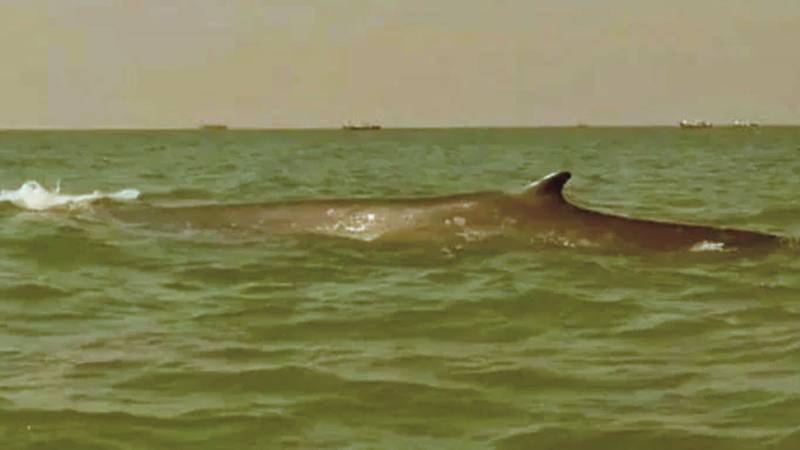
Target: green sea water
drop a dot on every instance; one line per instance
(115, 336)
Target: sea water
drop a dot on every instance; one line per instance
(118, 335)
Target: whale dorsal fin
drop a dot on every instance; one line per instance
(549, 186)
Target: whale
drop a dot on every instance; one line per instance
(538, 214)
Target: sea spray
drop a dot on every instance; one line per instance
(33, 196)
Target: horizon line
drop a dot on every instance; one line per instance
(222, 127)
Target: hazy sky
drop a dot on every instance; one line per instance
(299, 63)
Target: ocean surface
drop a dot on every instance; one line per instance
(122, 336)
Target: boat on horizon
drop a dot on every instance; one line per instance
(214, 127)
(361, 126)
(745, 124)
(695, 124)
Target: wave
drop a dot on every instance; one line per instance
(33, 196)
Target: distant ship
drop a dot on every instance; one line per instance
(361, 127)
(744, 124)
(214, 127)
(695, 124)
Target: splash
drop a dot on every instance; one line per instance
(33, 196)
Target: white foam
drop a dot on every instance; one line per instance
(708, 246)
(33, 196)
